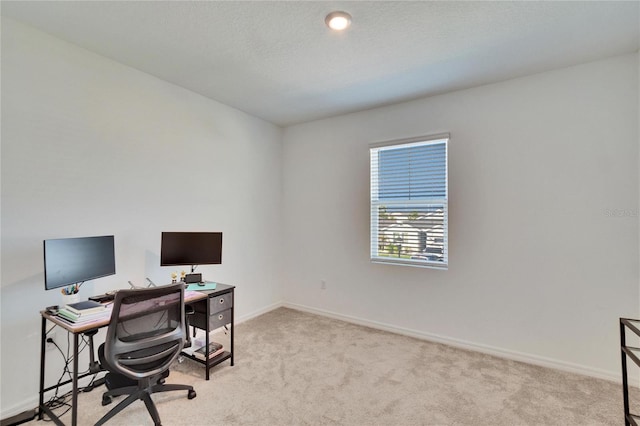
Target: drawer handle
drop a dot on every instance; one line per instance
(220, 316)
(221, 301)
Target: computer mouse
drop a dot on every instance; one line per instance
(201, 283)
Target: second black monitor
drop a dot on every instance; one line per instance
(191, 248)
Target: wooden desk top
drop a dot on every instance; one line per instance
(189, 296)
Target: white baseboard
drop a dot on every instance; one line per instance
(258, 312)
(462, 344)
(32, 402)
(18, 408)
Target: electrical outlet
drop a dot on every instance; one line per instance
(323, 285)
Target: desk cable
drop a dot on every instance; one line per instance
(58, 401)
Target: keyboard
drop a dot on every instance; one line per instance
(101, 298)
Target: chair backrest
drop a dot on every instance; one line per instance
(146, 332)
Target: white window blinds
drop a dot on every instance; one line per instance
(409, 202)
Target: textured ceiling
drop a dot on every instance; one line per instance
(278, 61)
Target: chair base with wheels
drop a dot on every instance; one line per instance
(118, 385)
(143, 392)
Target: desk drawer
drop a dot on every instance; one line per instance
(219, 319)
(220, 303)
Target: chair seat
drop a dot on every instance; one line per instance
(116, 381)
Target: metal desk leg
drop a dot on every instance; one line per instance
(74, 395)
(43, 339)
(232, 321)
(625, 388)
(206, 341)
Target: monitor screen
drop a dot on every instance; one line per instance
(191, 248)
(74, 260)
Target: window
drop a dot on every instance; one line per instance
(409, 202)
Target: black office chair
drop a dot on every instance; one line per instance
(145, 336)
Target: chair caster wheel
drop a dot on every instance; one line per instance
(161, 381)
(106, 400)
(192, 394)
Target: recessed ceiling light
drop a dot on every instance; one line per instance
(338, 20)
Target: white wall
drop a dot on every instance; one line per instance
(91, 147)
(538, 269)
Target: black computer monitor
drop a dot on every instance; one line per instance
(191, 248)
(75, 260)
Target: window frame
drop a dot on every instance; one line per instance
(427, 202)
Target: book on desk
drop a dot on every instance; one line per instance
(85, 307)
(85, 311)
(85, 318)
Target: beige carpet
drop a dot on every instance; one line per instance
(294, 368)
